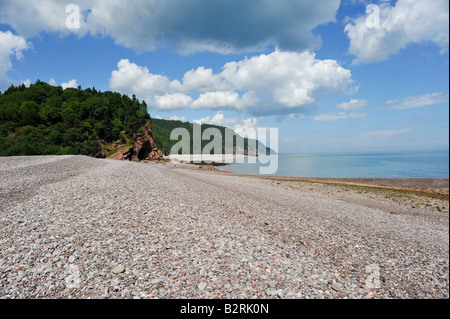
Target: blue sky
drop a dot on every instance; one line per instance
(325, 73)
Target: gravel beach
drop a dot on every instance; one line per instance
(78, 227)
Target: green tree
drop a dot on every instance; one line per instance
(29, 114)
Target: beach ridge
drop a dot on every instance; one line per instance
(78, 227)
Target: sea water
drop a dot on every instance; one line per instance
(417, 164)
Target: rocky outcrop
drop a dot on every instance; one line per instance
(140, 147)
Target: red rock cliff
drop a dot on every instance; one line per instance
(140, 147)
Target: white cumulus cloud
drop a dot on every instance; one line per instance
(11, 46)
(185, 25)
(130, 78)
(243, 127)
(30, 18)
(289, 79)
(409, 21)
(275, 83)
(214, 100)
(353, 105)
(71, 84)
(27, 83)
(172, 101)
(200, 80)
(177, 118)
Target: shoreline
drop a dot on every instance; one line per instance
(437, 186)
(419, 185)
(427, 186)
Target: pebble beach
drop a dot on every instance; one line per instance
(75, 227)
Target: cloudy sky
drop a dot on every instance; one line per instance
(333, 76)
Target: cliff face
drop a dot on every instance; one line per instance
(140, 147)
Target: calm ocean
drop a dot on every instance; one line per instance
(427, 164)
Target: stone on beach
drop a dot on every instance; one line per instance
(78, 227)
(118, 269)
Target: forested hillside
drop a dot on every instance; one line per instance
(47, 120)
(163, 128)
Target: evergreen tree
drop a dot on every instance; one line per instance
(47, 120)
